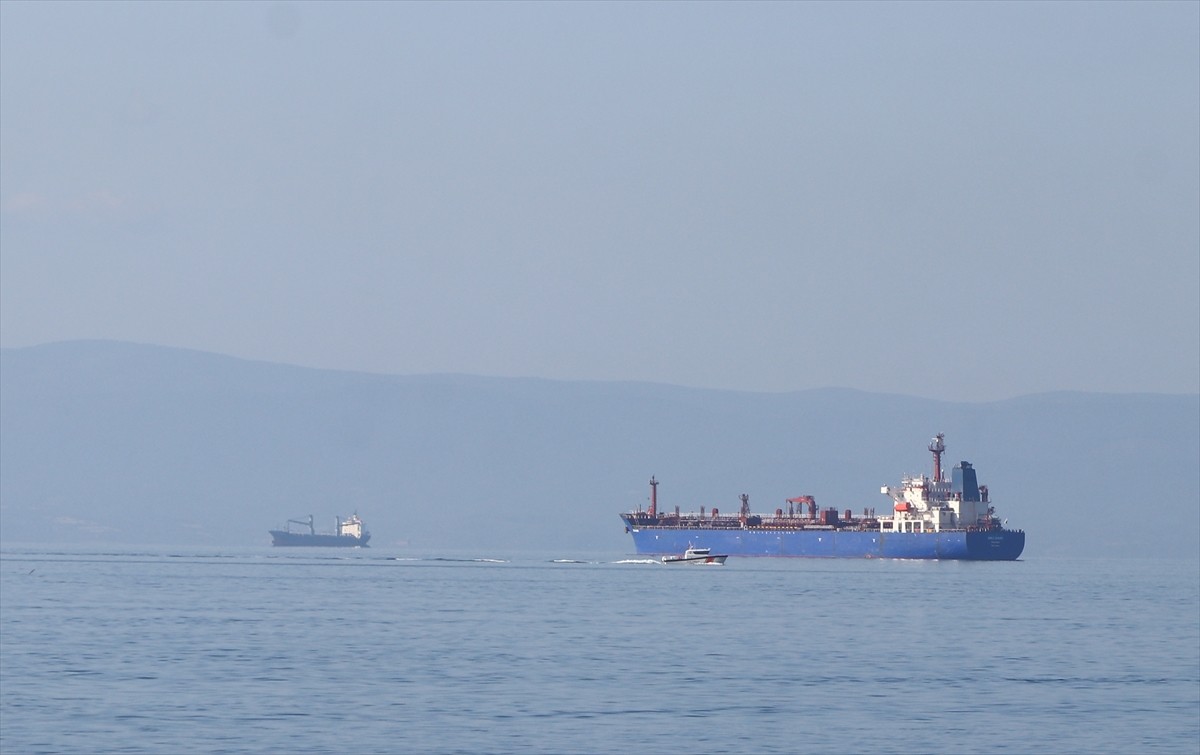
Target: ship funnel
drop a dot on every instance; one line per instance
(965, 482)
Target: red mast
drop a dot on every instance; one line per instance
(938, 448)
(653, 497)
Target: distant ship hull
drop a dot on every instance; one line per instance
(349, 533)
(991, 545)
(302, 539)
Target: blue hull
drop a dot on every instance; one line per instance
(299, 539)
(993, 545)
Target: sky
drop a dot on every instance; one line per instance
(962, 201)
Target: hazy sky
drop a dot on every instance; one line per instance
(967, 201)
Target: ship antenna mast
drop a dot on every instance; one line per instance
(653, 497)
(938, 448)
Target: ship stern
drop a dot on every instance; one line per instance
(995, 545)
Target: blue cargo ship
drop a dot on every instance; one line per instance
(350, 533)
(930, 518)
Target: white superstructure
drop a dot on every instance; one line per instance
(933, 504)
(351, 527)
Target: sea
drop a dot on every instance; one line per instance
(166, 650)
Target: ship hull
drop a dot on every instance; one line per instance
(299, 539)
(991, 545)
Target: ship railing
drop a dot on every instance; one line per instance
(735, 523)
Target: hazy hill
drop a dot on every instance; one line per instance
(114, 442)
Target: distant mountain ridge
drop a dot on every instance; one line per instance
(114, 442)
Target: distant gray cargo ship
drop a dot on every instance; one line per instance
(350, 533)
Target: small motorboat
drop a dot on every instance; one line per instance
(695, 556)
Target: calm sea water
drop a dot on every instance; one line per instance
(163, 650)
